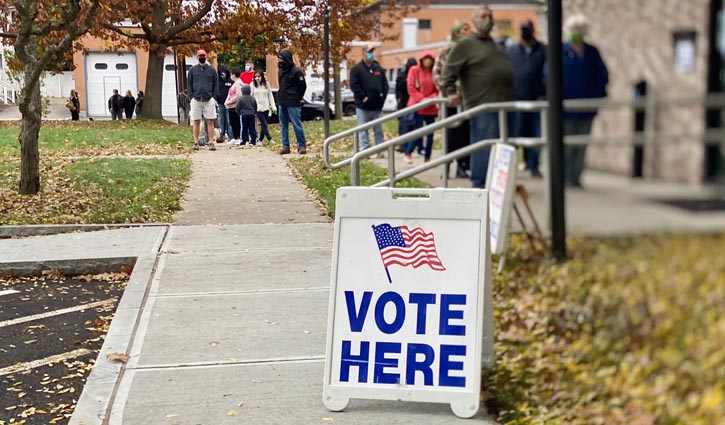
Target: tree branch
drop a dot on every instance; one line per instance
(114, 28)
(173, 31)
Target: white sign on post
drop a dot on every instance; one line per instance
(501, 182)
(410, 313)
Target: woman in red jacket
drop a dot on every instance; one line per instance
(421, 87)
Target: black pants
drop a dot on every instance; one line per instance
(236, 125)
(263, 129)
(459, 137)
(249, 129)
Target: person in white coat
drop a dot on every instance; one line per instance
(262, 92)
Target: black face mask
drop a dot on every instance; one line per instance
(202, 60)
(527, 34)
(283, 64)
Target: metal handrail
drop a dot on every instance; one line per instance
(378, 121)
(501, 107)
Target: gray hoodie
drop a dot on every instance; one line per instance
(246, 105)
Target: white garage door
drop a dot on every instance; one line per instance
(168, 105)
(105, 72)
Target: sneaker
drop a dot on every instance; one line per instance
(536, 174)
(302, 151)
(271, 141)
(212, 147)
(196, 146)
(408, 159)
(285, 150)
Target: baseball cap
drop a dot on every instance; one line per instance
(369, 48)
(200, 52)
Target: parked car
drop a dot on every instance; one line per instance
(348, 100)
(311, 110)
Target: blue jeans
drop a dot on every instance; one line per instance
(116, 115)
(289, 114)
(574, 155)
(420, 121)
(406, 126)
(225, 122)
(364, 116)
(527, 124)
(483, 126)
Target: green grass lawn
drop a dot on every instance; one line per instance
(94, 138)
(96, 186)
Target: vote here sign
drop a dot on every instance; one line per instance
(410, 314)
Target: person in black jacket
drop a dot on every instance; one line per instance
(129, 104)
(401, 97)
(529, 61)
(370, 87)
(75, 112)
(115, 104)
(225, 83)
(292, 87)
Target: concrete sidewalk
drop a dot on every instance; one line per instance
(225, 322)
(608, 205)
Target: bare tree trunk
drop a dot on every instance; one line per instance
(31, 110)
(154, 84)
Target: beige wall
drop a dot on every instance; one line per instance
(442, 20)
(635, 39)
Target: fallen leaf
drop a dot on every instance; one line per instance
(232, 413)
(118, 357)
(172, 415)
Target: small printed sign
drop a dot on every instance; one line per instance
(410, 280)
(502, 186)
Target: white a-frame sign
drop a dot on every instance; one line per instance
(410, 300)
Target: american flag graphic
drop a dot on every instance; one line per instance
(407, 247)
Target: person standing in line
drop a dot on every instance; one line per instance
(585, 77)
(247, 110)
(115, 104)
(262, 93)
(370, 87)
(230, 104)
(248, 75)
(406, 123)
(292, 87)
(129, 104)
(458, 136)
(139, 103)
(75, 112)
(225, 83)
(203, 88)
(421, 88)
(486, 76)
(529, 61)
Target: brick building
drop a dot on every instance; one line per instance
(676, 47)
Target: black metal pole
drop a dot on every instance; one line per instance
(556, 139)
(326, 74)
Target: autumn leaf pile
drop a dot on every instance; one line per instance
(630, 331)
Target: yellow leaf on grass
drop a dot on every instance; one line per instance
(712, 399)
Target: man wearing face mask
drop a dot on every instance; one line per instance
(292, 87)
(529, 60)
(585, 77)
(368, 83)
(203, 89)
(486, 76)
(248, 74)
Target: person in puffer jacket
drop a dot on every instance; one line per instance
(247, 110)
(421, 88)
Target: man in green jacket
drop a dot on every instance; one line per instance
(486, 76)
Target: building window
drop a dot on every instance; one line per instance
(424, 24)
(410, 32)
(101, 66)
(121, 66)
(504, 28)
(170, 68)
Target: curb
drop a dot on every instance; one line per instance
(66, 267)
(54, 229)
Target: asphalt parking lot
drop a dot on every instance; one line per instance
(51, 330)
